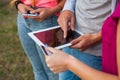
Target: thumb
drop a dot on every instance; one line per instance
(29, 8)
(51, 49)
(75, 41)
(34, 11)
(46, 56)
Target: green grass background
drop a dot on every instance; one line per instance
(14, 65)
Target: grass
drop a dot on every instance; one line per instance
(14, 65)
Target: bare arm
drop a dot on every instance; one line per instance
(87, 73)
(60, 61)
(59, 7)
(118, 47)
(47, 12)
(82, 70)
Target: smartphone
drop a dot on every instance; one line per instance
(29, 14)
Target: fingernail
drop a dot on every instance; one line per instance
(31, 11)
(64, 36)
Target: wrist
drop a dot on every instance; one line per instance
(69, 62)
(97, 37)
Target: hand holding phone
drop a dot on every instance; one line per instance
(30, 14)
(36, 14)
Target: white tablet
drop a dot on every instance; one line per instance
(53, 37)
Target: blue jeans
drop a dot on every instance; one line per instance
(32, 50)
(93, 61)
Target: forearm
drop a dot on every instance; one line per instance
(118, 47)
(58, 8)
(87, 73)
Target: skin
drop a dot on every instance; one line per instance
(23, 8)
(65, 20)
(59, 61)
(85, 41)
(118, 47)
(44, 12)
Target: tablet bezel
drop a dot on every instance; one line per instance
(31, 34)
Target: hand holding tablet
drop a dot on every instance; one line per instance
(46, 51)
(53, 37)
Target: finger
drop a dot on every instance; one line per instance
(58, 69)
(65, 33)
(29, 8)
(64, 25)
(65, 28)
(35, 11)
(51, 65)
(72, 24)
(78, 45)
(51, 49)
(82, 49)
(35, 18)
(75, 41)
(46, 56)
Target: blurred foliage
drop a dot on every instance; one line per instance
(14, 65)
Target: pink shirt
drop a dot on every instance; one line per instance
(41, 3)
(109, 63)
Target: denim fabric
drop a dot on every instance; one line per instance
(33, 51)
(93, 61)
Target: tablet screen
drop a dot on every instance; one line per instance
(54, 37)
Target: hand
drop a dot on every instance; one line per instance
(58, 61)
(43, 14)
(85, 41)
(66, 20)
(24, 8)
